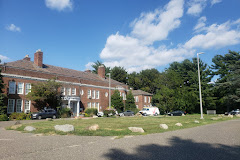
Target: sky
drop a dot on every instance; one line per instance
(134, 34)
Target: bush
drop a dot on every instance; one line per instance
(109, 112)
(17, 116)
(91, 112)
(135, 110)
(3, 117)
(64, 112)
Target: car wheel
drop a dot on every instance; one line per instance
(54, 117)
(171, 114)
(155, 114)
(39, 117)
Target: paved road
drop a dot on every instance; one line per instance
(218, 141)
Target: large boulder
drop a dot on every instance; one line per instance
(16, 126)
(29, 128)
(196, 121)
(214, 118)
(163, 126)
(136, 129)
(237, 115)
(93, 127)
(230, 116)
(64, 128)
(178, 124)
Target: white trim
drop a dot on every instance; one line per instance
(28, 88)
(26, 110)
(22, 88)
(73, 89)
(17, 105)
(66, 82)
(12, 84)
(97, 94)
(12, 106)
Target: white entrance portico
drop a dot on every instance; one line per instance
(74, 104)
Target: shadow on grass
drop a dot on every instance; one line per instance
(179, 149)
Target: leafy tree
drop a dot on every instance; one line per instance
(117, 101)
(97, 64)
(130, 102)
(46, 94)
(119, 74)
(3, 109)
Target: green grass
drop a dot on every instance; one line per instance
(119, 126)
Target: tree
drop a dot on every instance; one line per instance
(97, 64)
(130, 102)
(119, 74)
(46, 94)
(3, 109)
(117, 101)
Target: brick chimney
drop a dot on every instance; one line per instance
(101, 71)
(38, 58)
(27, 58)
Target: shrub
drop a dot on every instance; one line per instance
(17, 116)
(109, 112)
(91, 112)
(135, 110)
(3, 117)
(64, 112)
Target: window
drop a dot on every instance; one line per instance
(89, 93)
(19, 105)
(149, 99)
(20, 88)
(27, 106)
(145, 99)
(81, 92)
(28, 88)
(97, 106)
(137, 106)
(10, 107)
(136, 99)
(68, 91)
(124, 96)
(63, 90)
(93, 94)
(106, 94)
(12, 87)
(89, 104)
(93, 105)
(97, 94)
(74, 91)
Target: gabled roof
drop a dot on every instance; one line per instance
(60, 71)
(140, 92)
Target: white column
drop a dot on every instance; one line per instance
(78, 108)
(69, 103)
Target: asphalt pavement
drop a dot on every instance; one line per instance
(219, 141)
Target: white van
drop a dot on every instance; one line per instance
(147, 111)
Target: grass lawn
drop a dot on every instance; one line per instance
(112, 126)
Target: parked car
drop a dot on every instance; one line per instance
(147, 111)
(45, 113)
(127, 113)
(177, 113)
(100, 114)
(233, 112)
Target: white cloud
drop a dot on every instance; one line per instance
(155, 26)
(196, 7)
(200, 26)
(215, 2)
(13, 28)
(4, 58)
(216, 36)
(59, 4)
(89, 66)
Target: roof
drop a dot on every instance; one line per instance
(140, 92)
(60, 71)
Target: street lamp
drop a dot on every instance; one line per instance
(200, 93)
(109, 89)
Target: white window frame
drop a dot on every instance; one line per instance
(149, 99)
(89, 94)
(18, 88)
(136, 99)
(81, 92)
(63, 90)
(145, 99)
(73, 91)
(12, 87)
(13, 104)
(136, 106)
(26, 110)
(97, 94)
(93, 104)
(68, 92)
(97, 105)
(93, 94)
(89, 104)
(27, 90)
(21, 107)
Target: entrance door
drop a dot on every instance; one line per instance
(74, 108)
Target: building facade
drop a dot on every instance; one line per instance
(142, 99)
(80, 90)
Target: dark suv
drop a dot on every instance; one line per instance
(46, 113)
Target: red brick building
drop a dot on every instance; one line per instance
(80, 90)
(142, 99)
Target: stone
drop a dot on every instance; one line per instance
(64, 128)
(163, 126)
(136, 129)
(196, 121)
(49, 119)
(95, 116)
(16, 126)
(29, 128)
(214, 118)
(237, 115)
(18, 122)
(93, 127)
(230, 116)
(178, 124)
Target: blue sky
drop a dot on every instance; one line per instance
(134, 34)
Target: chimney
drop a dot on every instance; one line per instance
(38, 58)
(101, 71)
(27, 58)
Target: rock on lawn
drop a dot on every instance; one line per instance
(178, 124)
(64, 128)
(93, 127)
(163, 126)
(29, 128)
(136, 129)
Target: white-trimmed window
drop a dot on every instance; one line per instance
(149, 99)
(63, 90)
(97, 94)
(81, 92)
(124, 96)
(73, 91)
(97, 106)
(136, 106)
(89, 104)
(89, 93)
(69, 91)
(20, 88)
(19, 105)
(11, 103)
(145, 99)
(28, 88)
(136, 99)
(27, 106)
(93, 94)
(93, 105)
(12, 87)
